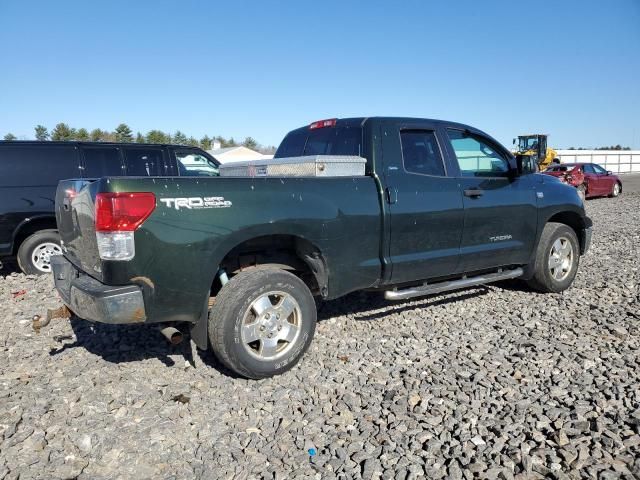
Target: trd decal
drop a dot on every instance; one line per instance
(196, 203)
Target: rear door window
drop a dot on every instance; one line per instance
(144, 162)
(588, 169)
(37, 165)
(102, 162)
(420, 153)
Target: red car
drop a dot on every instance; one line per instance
(590, 179)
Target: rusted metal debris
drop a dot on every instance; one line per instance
(61, 312)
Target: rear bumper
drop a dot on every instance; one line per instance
(92, 300)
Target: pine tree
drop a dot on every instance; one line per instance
(62, 132)
(96, 135)
(140, 138)
(123, 133)
(158, 136)
(205, 143)
(42, 133)
(250, 142)
(82, 135)
(10, 137)
(180, 138)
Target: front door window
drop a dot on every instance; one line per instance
(476, 157)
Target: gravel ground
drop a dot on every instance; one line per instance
(493, 382)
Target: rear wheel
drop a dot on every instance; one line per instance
(35, 252)
(557, 258)
(262, 322)
(617, 190)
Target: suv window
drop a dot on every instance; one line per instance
(192, 163)
(144, 162)
(37, 165)
(321, 141)
(476, 156)
(102, 162)
(420, 152)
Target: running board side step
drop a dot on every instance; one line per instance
(428, 289)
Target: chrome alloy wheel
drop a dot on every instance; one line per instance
(560, 259)
(41, 255)
(616, 189)
(271, 325)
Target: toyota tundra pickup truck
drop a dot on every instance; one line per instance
(405, 206)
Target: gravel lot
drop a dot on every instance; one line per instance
(493, 382)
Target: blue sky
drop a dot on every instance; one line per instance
(568, 68)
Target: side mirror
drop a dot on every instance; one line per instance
(514, 141)
(609, 172)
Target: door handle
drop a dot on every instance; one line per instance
(473, 192)
(392, 195)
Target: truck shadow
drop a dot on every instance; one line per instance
(133, 343)
(371, 306)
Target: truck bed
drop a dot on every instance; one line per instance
(208, 217)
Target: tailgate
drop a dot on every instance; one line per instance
(75, 215)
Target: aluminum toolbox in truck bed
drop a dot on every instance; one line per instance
(309, 166)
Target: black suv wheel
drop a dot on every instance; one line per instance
(34, 254)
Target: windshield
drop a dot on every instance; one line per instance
(527, 143)
(322, 141)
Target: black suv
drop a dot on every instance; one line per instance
(30, 172)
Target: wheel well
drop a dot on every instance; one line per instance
(29, 228)
(573, 220)
(287, 252)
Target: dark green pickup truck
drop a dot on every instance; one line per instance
(417, 207)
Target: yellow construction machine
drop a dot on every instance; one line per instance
(533, 148)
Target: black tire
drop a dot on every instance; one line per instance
(235, 311)
(615, 192)
(35, 250)
(544, 279)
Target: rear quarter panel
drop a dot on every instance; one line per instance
(178, 250)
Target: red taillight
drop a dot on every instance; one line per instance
(323, 123)
(123, 212)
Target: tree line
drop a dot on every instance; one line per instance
(612, 147)
(124, 134)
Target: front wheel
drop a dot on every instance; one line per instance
(34, 254)
(615, 192)
(557, 258)
(262, 322)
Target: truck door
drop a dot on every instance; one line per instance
(500, 214)
(425, 204)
